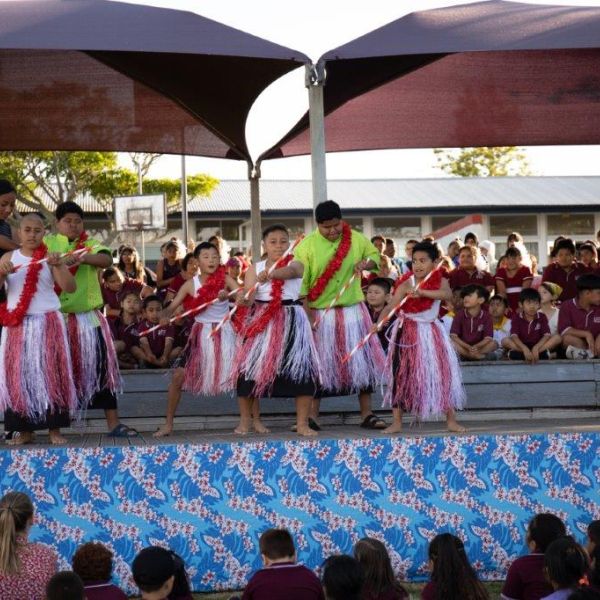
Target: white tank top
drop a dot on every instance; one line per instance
(213, 313)
(44, 300)
(291, 287)
(425, 316)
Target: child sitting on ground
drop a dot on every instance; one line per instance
(160, 575)
(472, 332)
(377, 297)
(342, 578)
(530, 338)
(93, 562)
(124, 329)
(565, 270)
(513, 278)
(449, 309)
(65, 585)
(566, 565)
(500, 322)
(114, 286)
(282, 578)
(579, 320)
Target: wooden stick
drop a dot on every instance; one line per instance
(335, 300)
(81, 251)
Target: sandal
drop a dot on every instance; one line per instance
(372, 421)
(122, 431)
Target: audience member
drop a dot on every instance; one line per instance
(537, 278)
(282, 578)
(467, 273)
(131, 266)
(514, 238)
(221, 246)
(565, 270)
(454, 249)
(498, 307)
(525, 579)
(408, 250)
(234, 268)
(390, 252)
(449, 309)
(588, 255)
(452, 576)
(160, 575)
(472, 240)
(114, 286)
(65, 585)
(379, 242)
(566, 565)
(93, 562)
(513, 278)
(593, 549)
(380, 583)
(169, 267)
(124, 329)
(342, 578)
(593, 536)
(488, 251)
(155, 349)
(25, 568)
(549, 294)
(377, 296)
(189, 269)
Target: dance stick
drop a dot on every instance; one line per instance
(187, 313)
(392, 312)
(335, 300)
(81, 251)
(253, 289)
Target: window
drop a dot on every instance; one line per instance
(502, 225)
(296, 226)
(571, 224)
(442, 221)
(398, 228)
(229, 230)
(356, 223)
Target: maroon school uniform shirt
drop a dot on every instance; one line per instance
(112, 298)
(125, 332)
(530, 332)
(103, 590)
(514, 284)
(471, 330)
(459, 278)
(176, 284)
(525, 579)
(382, 335)
(284, 581)
(157, 338)
(571, 314)
(567, 280)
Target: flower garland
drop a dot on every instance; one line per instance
(209, 290)
(13, 318)
(259, 324)
(73, 270)
(419, 304)
(333, 266)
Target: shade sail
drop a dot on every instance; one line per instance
(485, 74)
(99, 75)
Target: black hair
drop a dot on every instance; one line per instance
(543, 529)
(186, 260)
(471, 236)
(147, 577)
(171, 244)
(326, 211)
(473, 288)
(429, 248)
(529, 294)
(498, 298)
(66, 208)
(565, 244)
(566, 562)
(342, 578)
(584, 593)
(378, 237)
(513, 252)
(111, 272)
(276, 544)
(382, 282)
(594, 575)
(593, 532)
(275, 227)
(6, 187)
(514, 236)
(588, 281)
(589, 246)
(389, 241)
(65, 585)
(204, 246)
(151, 298)
(127, 292)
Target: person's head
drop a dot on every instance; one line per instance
(549, 292)
(16, 517)
(454, 248)
(588, 254)
(379, 242)
(329, 220)
(189, 264)
(390, 247)
(471, 239)
(378, 292)
(467, 256)
(208, 257)
(498, 306)
(593, 536)
(529, 302)
(93, 562)
(8, 199)
(171, 251)
(276, 240)
(385, 266)
(502, 264)
(513, 258)
(217, 241)
(474, 296)
(65, 585)
(69, 219)
(377, 569)
(128, 257)
(514, 238)
(408, 248)
(446, 263)
(424, 257)
(542, 530)
(456, 303)
(131, 303)
(534, 263)
(588, 289)
(31, 230)
(152, 308)
(234, 267)
(564, 253)
(565, 563)
(488, 250)
(113, 278)
(158, 572)
(342, 578)
(277, 545)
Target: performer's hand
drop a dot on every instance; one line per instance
(374, 328)
(54, 259)
(361, 266)
(73, 260)
(263, 277)
(222, 295)
(6, 268)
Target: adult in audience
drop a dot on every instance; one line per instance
(342, 578)
(65, 585)
(454, 249)
(25, 568)
(132, 267)
(390, 252)
(160, 575)
(169, 267)
(93, 562)
(566, 564)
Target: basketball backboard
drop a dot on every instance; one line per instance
(140, 213)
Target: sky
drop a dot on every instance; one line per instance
(314, 27)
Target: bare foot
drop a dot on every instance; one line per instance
(164, 431)
(259, 427)
(57, 440)
(20, 439)
(242, 429)
(455, 427)
(394, 428)
(306, 431)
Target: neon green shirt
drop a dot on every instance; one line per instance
(88, 295)
(315, 252)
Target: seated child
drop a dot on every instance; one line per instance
(588, 255)
(65, 585)
(114, 285)
(124, 329)
(155, 349)
(467, 273)
(160, 575)
(472, 332)
(282, 578)
(566, 564)
(513, 278)
(500, 322)
(93, 562)
(579, 320)
(525, 579)
(189, 269)
(565, 270)
(377, 296)
(549, 293)
(530, 337)
(342, 578)
(449, 309)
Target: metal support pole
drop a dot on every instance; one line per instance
(254, 177)
(314, 81)
(184, 203)
(143, 247)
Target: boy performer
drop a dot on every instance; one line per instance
(95, 366)
(327, 259)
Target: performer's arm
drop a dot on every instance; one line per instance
(402, 290)
(249, 281)
(7, 243)
(444, 293)
(62, 276)
(184, 290)
(102, 260)
(6, 267)
(295, 270)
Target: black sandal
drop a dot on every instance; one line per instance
(372, 421)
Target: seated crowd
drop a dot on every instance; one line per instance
(556, 568)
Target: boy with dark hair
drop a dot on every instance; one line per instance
(160, 575)
(472, 331)
(282, 578)
(156, 348)
(579, 320)
(565, 270)
(379, 242)
(114, 286)
(467, 272)
(377, 296)
(65, 585)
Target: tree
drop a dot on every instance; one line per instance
(498, 161)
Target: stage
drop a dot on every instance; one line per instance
(209, 494)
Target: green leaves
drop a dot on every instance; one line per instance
(499, 161)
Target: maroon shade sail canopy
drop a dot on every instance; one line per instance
(486, 74)
(99, 75)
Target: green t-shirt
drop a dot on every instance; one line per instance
(88, 295)
(315, 252)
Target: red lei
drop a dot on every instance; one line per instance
(420, 304)
(13, 318)
(333, 266)
(73, 270)
(209, 290)
(259, 324)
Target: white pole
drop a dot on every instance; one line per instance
(254, 177)
(184, 205)
(143, 247)
(315, 79)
